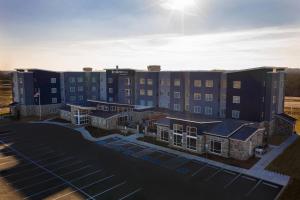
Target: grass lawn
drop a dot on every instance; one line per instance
(289, 163)
(247, 164)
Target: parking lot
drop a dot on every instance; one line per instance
(39, 161)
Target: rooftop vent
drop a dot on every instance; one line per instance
(153, 68)
(87, 69)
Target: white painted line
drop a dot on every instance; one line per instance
(65, 181)
(109, 189)
(230, 172)
(30, 177)
(271, 185)
(130, 194)
(49, 179)
(249, 178)
(253, 188)
(201, 168)
(86, 186)
(232, 181)
(214, 174)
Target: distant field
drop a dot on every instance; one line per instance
(292, 107)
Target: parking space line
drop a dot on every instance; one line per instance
(26, 164)
(130, 194)
(214, 174)
(109, 189)
(253, 188)
(271, 185)
(25, 178)
(232, 181)
(249, 178)
(230, 172)
(201, 168)
(86, 186)
(49, 179)
(65, 181)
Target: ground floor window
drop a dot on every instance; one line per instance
(191, 143)
(215, 146)
(164, 134)
(178, 140)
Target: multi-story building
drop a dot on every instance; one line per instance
(192, 110)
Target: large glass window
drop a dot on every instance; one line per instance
(177, 140)
(177, 128)
(191, 143)
(215, 146)
(164, 133)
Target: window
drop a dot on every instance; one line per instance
(72, 80)
(106, 108)
(21, 91)
(127, 81)
(80, 88)
(53, 90)
(215, 146)
(142, 102)
(94, 97)
(79, 79)
(191, 131)
(275, 84)
(150, 103)
(149, 92)
(72, 89)
(177, 107)
(177, 82)
(164, 133)
(142, 92)
(21, 80)
(208, 97)
(110, 80)
(263, 99)
(208, 110)
(236, 99)
(235, 114)
(127, 92)
(94, 79)
(197, 109)
(53, 80)
(177, 140)
(177, 128)
(54, 100)
(209, 83)
(197, 96)
(94, 89)
(80, 98)
(72, 98)
(197, 83)
(149, 81)
(142, 81)
(113, 108)
(237, 84)
(110, 90)
(110, 99)
(177, 95)
(274, 99)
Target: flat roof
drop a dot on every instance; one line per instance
(103, 114)
(137, 107)
(244, 133)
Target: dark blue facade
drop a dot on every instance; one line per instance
(42, 82)
(150, 84)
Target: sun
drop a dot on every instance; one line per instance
(178, 5)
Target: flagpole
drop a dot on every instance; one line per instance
(39, 92)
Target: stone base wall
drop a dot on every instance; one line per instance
(243, 150)
(109, 123)
(64, 114)
(35, 110)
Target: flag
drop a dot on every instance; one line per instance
(37, 94)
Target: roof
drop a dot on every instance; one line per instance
(287, 117)
(66, 108)
(226, 127)
(163, 122)
(244, 133)
(103, 114)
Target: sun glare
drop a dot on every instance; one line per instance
(178, 5)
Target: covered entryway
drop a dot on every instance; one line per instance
(80, 114)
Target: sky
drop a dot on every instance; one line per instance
(176, 34)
